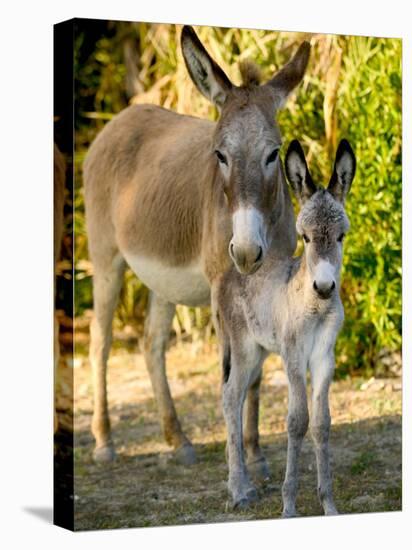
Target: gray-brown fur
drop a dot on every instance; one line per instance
(158, 198)
(291, 307)
(250, 73)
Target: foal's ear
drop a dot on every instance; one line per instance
(297, 172)
(290, 75)
(206, 74)
(343, 171)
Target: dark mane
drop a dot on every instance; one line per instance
(250, 73)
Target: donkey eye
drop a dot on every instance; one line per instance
(306, 238)
(341, 237)
(221, 157)
(272, 157)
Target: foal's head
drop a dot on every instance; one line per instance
(322, 221)
(246, 142)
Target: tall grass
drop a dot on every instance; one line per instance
(352, 89)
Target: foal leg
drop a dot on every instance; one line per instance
(107, 282)
(256, 462)
(237, 373)
(322, 373)
(298, 420)
(157, 332)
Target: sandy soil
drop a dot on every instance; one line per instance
(145, 487)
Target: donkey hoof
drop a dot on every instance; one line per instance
(243, 502)
(186, 455)
(259, 469)
(289, 514)
(252, 494)
(104, 454)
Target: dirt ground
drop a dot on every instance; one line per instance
(146, 487)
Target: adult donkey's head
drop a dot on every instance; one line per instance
(246, 142)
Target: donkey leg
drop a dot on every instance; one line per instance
(298, 421)
(237, 374)
(322, 374)
(107, 282)
(256, 462)
(157, 333)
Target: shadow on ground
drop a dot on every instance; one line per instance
(151, 489)
(145, 486)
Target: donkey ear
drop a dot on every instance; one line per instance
(206, 74)
(297, 172)
(290, 75)
(343, 171)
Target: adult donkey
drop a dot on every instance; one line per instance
(169, 195)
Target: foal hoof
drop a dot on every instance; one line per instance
(289, 514)
(259, 469)
(185, 455)
(243, 502)
(104, 455)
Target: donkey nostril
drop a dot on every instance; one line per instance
(259, 256)
(323, 290)
(231, 249)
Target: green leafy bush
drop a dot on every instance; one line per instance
(352, 89)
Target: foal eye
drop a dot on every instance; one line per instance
(221, 157)
(272, 157)
(341, 237)
(306, 238)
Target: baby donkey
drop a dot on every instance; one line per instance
(291, 307)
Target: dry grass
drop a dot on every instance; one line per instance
(145, 487)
